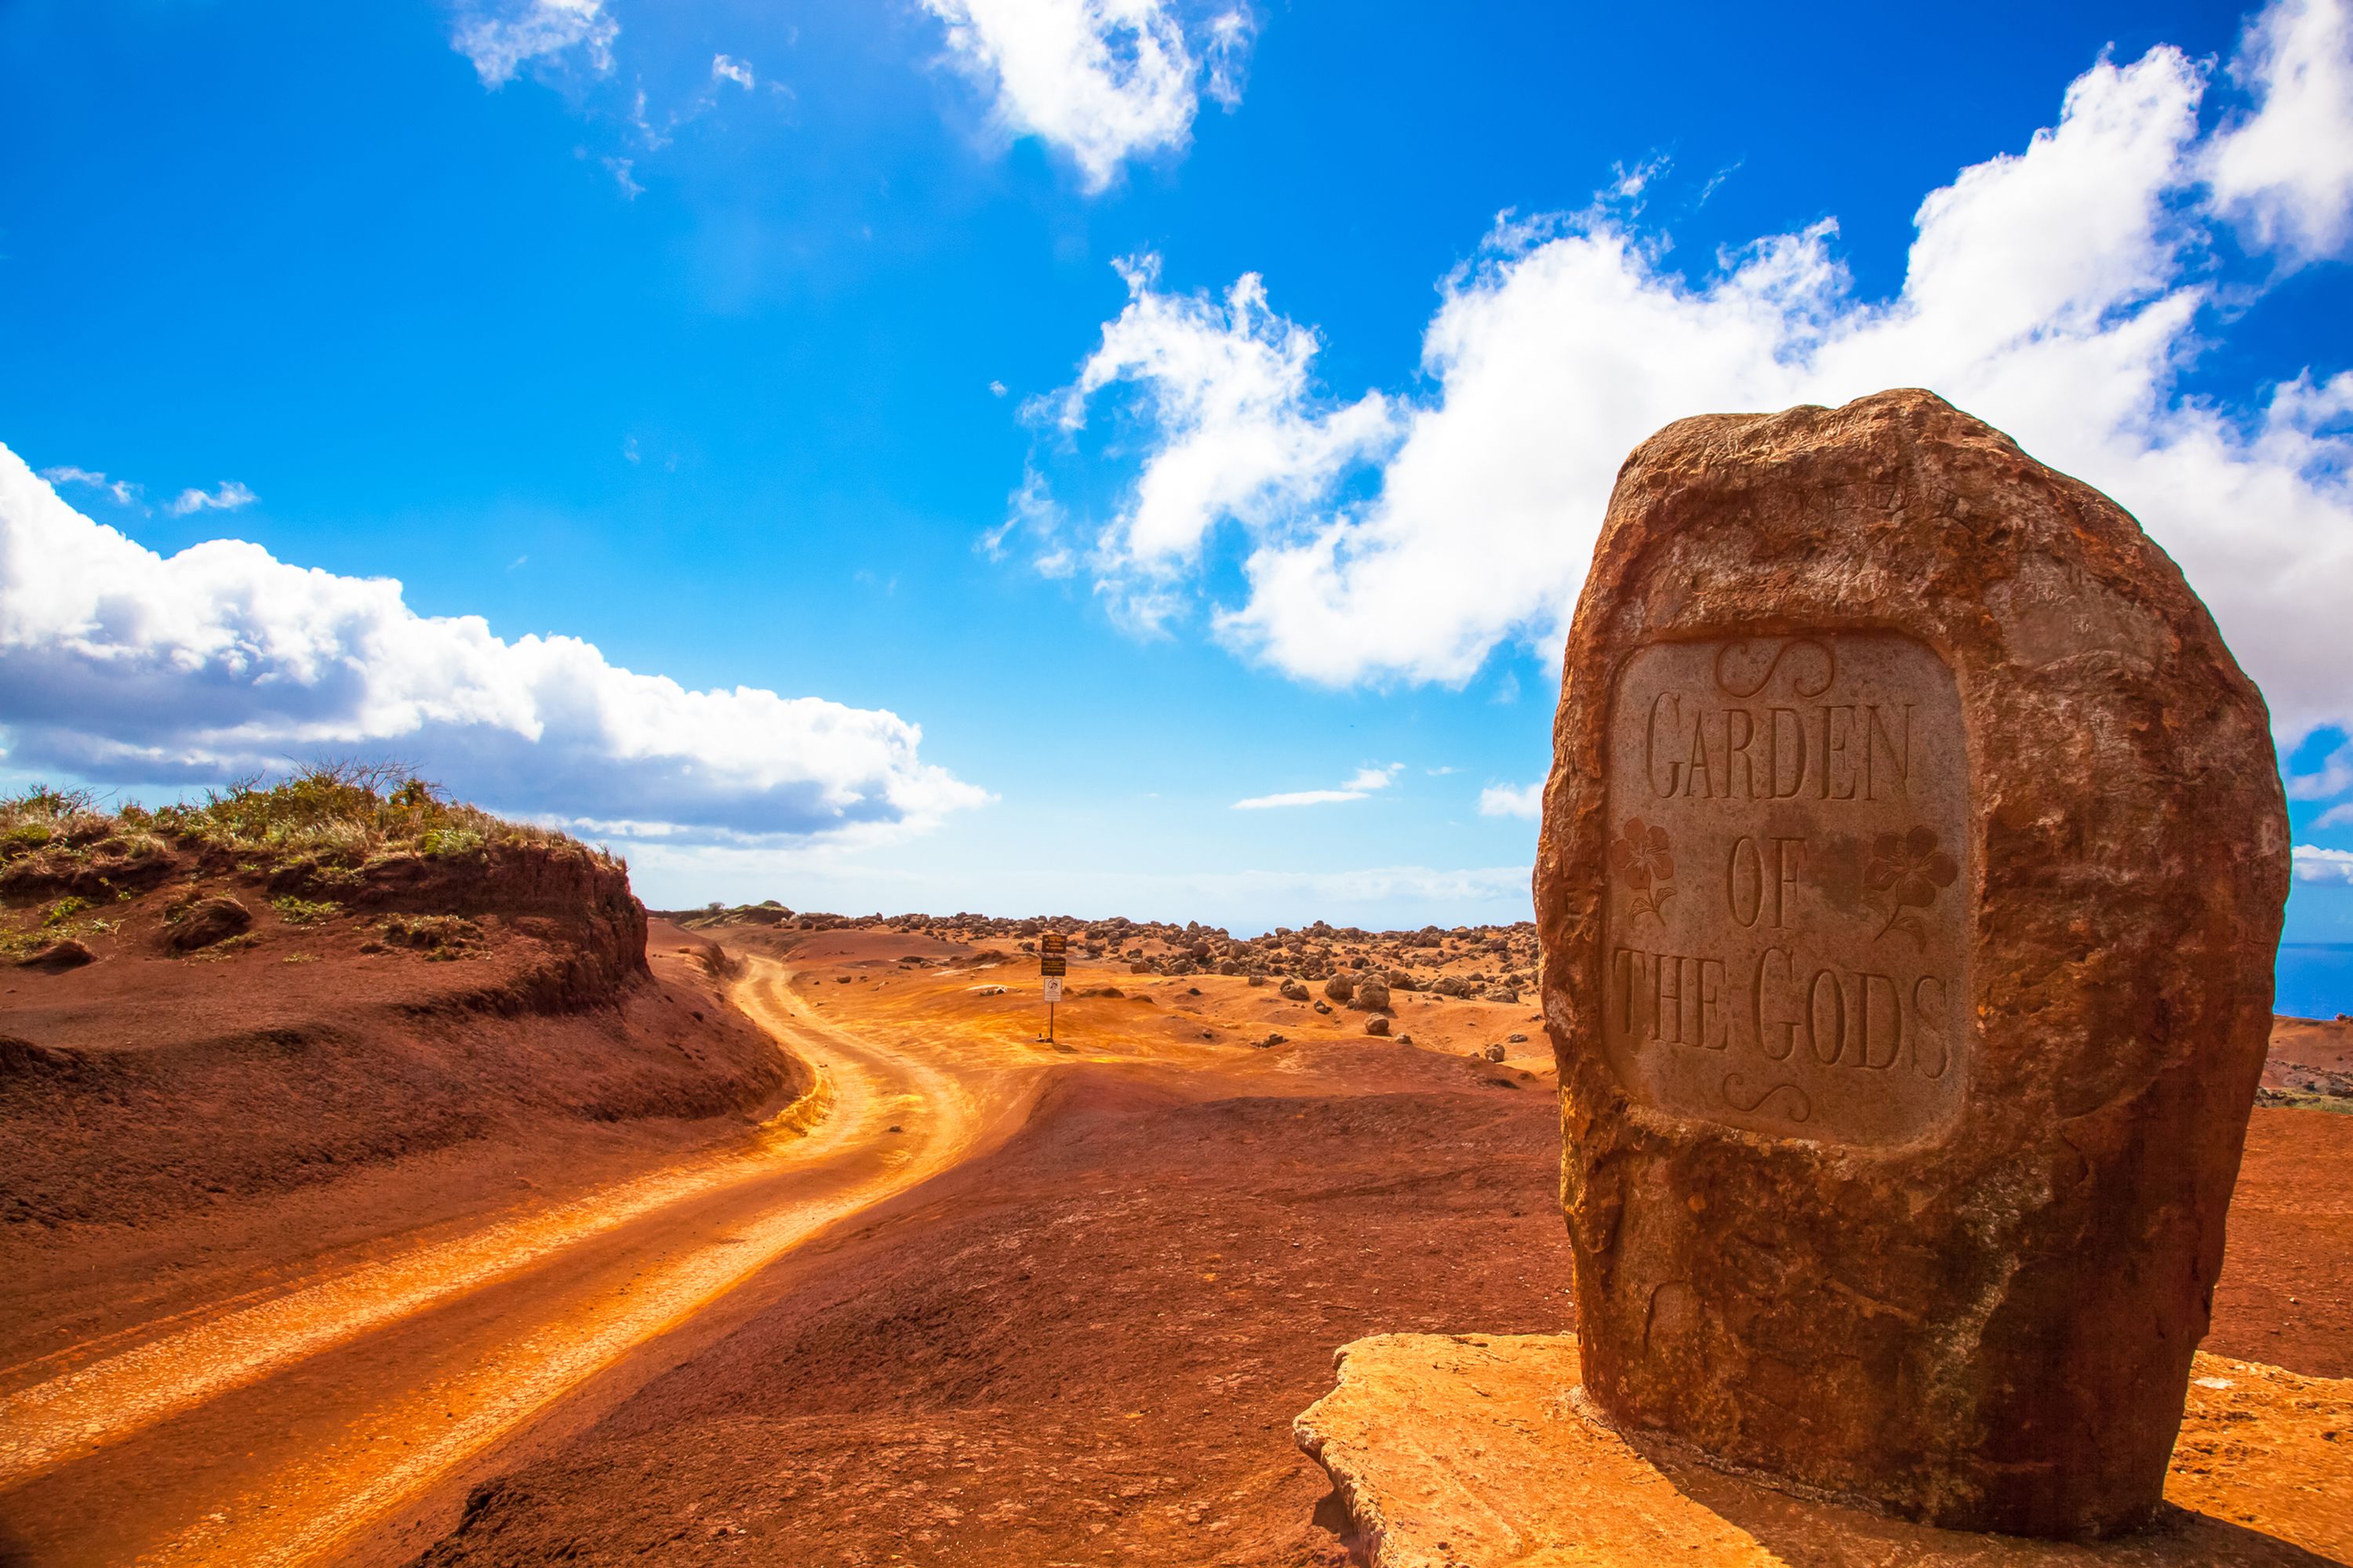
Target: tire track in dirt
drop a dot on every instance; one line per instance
(274, 1433)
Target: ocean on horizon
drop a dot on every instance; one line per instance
(2315, 979)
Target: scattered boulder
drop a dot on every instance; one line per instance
(1516, 1039)
(1291, 990)
(1324, 1007)
(1377, 1024)
(1402, 980)
(1373, 996)
(1271, 1040)
(1340, 987)
(1493, 1053)
(1503, 993)
(207, 921)
(1258, 980)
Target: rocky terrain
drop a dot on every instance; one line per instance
(2311, 1063)
(1492, 963)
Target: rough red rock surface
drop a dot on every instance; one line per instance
(1974, 1298)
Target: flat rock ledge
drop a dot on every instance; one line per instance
(1470, 1451)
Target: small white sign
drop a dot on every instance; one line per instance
(1053, 989)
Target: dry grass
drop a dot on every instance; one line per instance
(333, 814)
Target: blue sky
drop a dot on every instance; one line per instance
(1037, 426)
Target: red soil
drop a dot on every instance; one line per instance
(1086, 1348)
(174, 1127)
(1089, 1347)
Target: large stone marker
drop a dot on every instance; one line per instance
(1912, 868)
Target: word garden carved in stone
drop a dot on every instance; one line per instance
(1912, 868)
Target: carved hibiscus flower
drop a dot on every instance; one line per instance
(1641, 856)
(1906, 872)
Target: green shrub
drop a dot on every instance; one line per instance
(305, 911)
(25, 838)
(65, 909)
(449, 841)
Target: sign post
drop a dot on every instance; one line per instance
(1054, 963)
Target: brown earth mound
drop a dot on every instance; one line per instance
(264, 1056)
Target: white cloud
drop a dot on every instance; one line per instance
(125, 494)
(1100, 81)
(226, 497)
(619, 168)
(2336, 817)
(117, 663)
(1225, 49)
(1298, 798)
(501, 38)
(727, 68)
(1367, 780)
(2055, 292)
(1512, 799)
(2285, 172)
(1225, 386)
(2334, 778)
(2313, 864)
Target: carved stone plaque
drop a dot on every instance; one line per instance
(1911, 871)
(1784, 925)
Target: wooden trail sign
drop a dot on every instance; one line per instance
(1054, 963)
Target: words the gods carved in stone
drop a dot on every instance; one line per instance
(1785, 930)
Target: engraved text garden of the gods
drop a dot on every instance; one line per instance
(1785, 929)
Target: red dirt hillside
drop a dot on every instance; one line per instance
(238, 1035)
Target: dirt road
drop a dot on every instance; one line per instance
(274, 1432)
